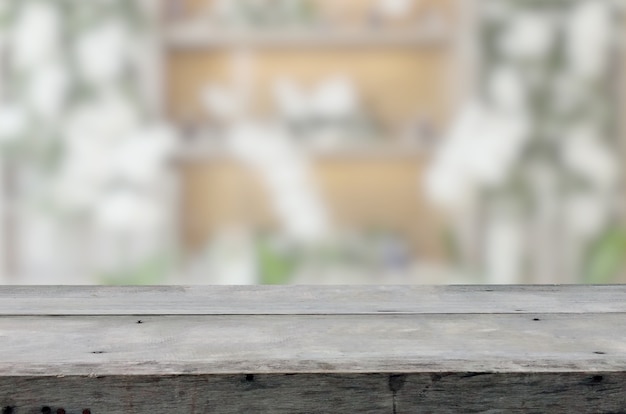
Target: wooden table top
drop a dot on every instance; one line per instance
(103, 331)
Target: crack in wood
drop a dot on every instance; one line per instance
(396, 382)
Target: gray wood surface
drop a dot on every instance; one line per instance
(446, 393)
(315, 300)
(455, 349)
(231, 344)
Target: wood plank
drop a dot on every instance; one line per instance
(201, 153)
(306, 393)
(235, 344)
(313, 349)
(201, 37)
(454, 393)
(200, 394)
(309, 300)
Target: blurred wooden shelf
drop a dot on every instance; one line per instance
(203, 36)
(202, 152)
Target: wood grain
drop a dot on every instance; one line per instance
(233, 344)
(446, 393)
(299, 349)
(309, 300)
(201, 394)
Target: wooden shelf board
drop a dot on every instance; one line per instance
(192, 35)
(201, 153)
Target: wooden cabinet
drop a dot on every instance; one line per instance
(403, 71)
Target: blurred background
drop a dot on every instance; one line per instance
(312, 141)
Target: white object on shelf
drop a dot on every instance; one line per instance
(287, 176)
(395, 9)
(220, 102)
(335, 98)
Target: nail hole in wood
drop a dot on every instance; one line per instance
(139, 321)
(7, 410)
(86, 411)
(536, 319)
(249, 378)
(597, 378)
(46, 410)
(60, 411)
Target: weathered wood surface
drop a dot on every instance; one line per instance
(447, 393)
(230, 344)
(308, 300)
(459, 349)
